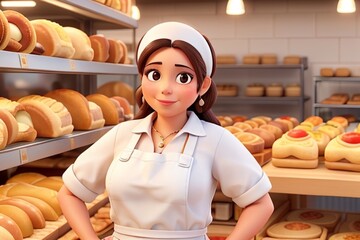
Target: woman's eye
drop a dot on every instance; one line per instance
(153, 75)
(184, 78)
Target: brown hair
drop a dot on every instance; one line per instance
(203, 112)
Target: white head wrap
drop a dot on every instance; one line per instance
(179, 31)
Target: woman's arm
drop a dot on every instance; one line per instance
(252, 219)
(76, 214)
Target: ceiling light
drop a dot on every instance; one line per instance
(18, 3)
(235, 7)
(346, 6)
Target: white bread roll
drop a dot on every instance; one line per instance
(81, 43)
(343, 152)
(295, 149)
(83, 117)
(50, 117)
(53, 38)
(10, 225)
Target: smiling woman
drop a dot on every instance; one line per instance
(161, 170)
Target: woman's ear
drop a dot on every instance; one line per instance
(205, 86)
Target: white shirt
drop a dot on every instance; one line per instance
(146, 192)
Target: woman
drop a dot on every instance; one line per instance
(161, 170)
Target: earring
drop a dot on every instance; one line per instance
(201, 102)
(142, 99)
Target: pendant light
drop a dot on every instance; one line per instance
(235, 7)
(346, 6)
(18, 3)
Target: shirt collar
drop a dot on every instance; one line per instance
(193, 125)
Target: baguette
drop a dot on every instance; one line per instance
(84, 115)
(10, 225)
(50, 117)
(20, 217)
(34, 213)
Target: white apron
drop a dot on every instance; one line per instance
(148, 193)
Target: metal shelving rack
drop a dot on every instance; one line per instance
(296, 101)
(96, 16)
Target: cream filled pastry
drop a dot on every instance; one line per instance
(295, 149)
(343, 152)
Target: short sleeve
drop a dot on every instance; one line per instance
(86, 177)
(239, 174)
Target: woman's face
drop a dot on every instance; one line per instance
(169, 83)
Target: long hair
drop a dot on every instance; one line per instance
(203, 112)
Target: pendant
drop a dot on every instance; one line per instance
(161, 145)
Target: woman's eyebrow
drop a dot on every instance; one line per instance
(180, 65)
(154, 63)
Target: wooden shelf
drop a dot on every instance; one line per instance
(320, 181)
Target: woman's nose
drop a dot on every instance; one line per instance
(166, 87)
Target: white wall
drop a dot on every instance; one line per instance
(310, 28)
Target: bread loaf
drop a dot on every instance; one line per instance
(81, 43)
(47, 211)
(50, 117)
(83, 117)
(267, 136)
(12, 127)
(124, 103)
(115, 51)
(108, 107)
(53, 38)
(326, 72)
(117, 88)
(5, 234)
(295, 149)
(101, 47)
(292, 59)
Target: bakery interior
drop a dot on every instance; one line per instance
(293, 63)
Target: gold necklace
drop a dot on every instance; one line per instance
(162, 144)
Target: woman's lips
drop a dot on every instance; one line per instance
(166, 102)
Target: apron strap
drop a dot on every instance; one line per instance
(187, 152)
(126, 153)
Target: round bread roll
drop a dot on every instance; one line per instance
(81, 43)
(255, 90)
(267, 136)
(242, 125)
(251, 141)
(101, 47)
(233, 129)
(315, 120)
(274, 90)
(294, 230)
(345, 236)
(293, 90)
(274, 129)
(321, 218)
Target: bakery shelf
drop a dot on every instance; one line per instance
(345, 106)
(261, 100)
(20, 153)
(17, 62)
(262, 66)
(319, 181)
(336, 79)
